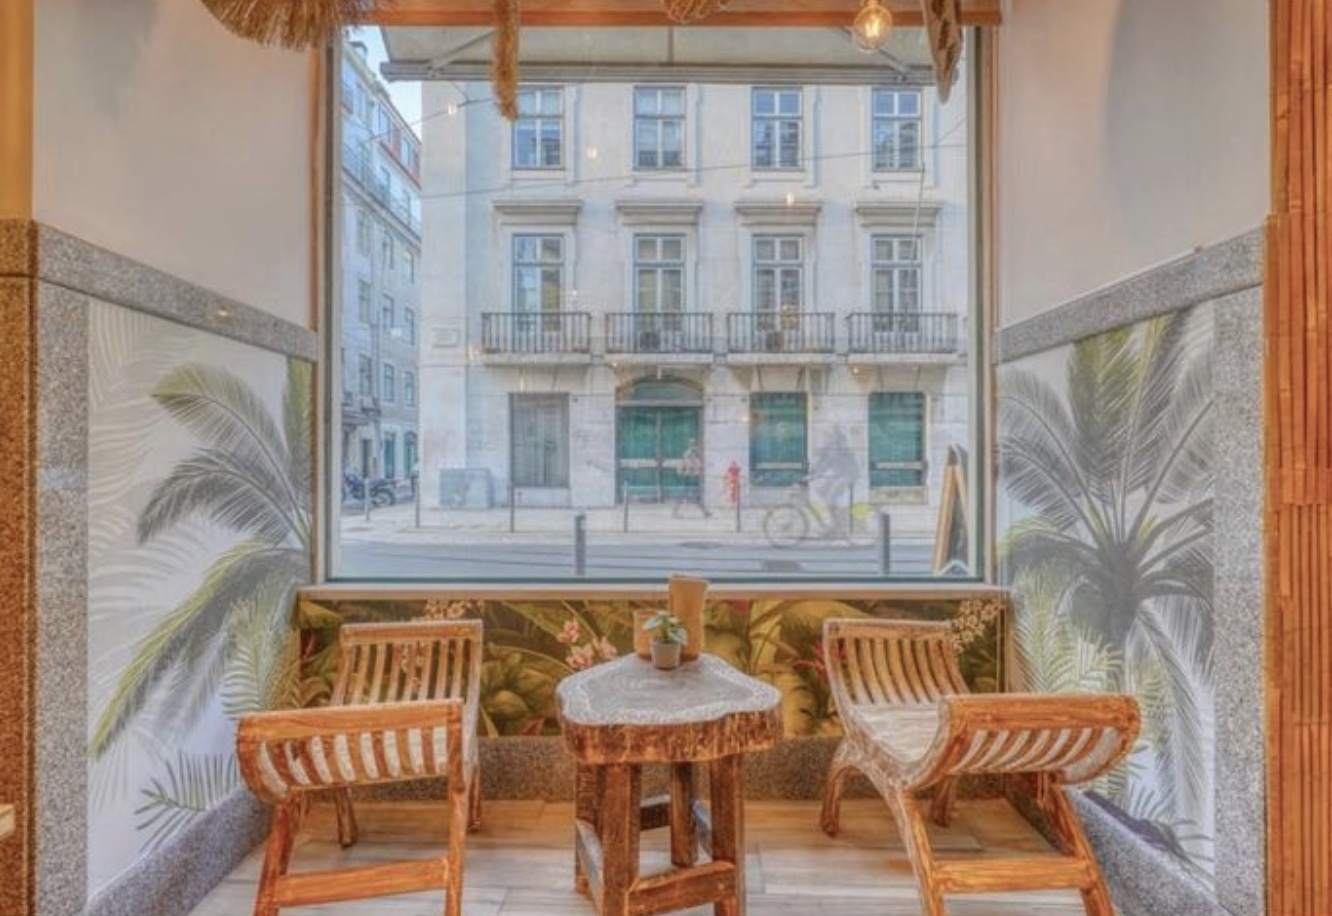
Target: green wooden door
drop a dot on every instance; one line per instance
(650, 445)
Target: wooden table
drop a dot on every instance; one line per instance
(6, 820)
(623, 714)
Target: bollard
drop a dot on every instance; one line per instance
(737, 511)
(580, 544)
(513, 509)
(885, 544)
(624, 498)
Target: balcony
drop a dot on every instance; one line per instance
(890, 336)
(780, 337)
(675, 337)
(532, 338)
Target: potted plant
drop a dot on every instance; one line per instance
(668, 639)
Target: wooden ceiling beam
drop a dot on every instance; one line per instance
(624, 13)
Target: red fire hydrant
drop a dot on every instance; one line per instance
(733, 483)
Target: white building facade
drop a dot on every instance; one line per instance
(380, 279)
(774, 275)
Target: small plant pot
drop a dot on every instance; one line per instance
(666, 655)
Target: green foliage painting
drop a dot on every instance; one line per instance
(531, 645)
(247, 474)
(1108, 473)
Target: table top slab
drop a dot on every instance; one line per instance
(627, 711)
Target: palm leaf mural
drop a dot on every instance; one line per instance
(192, 786)
(245, 477)
(1113, 556)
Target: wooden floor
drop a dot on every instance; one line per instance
(520, 863)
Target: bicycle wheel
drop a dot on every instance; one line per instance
(785, 526)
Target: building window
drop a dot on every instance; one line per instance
(410, 258)
(896, 129)
(386, 313)
(409, 388)
(779, 273)
(896, 267)
(897, 439)
(390, 455)
(777, 125)
(365, 375)
(538, 273)
(409, 325)
(659, 127)
(410, 459)
(363, 300)
(362, 231)
(538, 134)
(539, 436)
(778, 440)
(389, 391)
(659, 273)
(390, 251)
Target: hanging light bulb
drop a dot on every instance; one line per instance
(872, 25)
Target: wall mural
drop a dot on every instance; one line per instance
(199, 534)
(531, 645)
(1106, 518)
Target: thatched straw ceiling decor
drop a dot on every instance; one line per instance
(294, 24)
(943, 20)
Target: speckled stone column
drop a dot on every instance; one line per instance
(18, 426)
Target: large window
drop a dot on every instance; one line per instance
(538, 273)
(659, 127)
(896, 273)
(777, 129)
(538, 134)
(778, 452)
(896, 129)
(897, 439)
(659, 273)
(665, 304)
(779, 273)
(539, 427)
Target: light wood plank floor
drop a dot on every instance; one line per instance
(520, 863)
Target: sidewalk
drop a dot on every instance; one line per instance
(641, 523)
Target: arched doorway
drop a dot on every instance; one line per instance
(655, 423)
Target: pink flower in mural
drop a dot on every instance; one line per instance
(570, 634)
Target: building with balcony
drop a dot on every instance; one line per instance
(379, 275)
(777, 273)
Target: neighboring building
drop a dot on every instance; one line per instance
(776, 273)
(380, 279)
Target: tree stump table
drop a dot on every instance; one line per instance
(618, 716)
(6, 820)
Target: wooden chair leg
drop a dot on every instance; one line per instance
(941, 808)
(726, 785)
(460, 806)
(277, 857)
(684, 837)
(917, 843)
(830, 817)
(1063, 820)
(474, 803)
(348, 832)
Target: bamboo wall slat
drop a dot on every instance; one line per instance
(1298, 404)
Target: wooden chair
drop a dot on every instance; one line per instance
(911, 726)
(408, 701)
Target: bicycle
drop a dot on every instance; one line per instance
(788, 524)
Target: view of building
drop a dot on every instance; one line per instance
(380, 267)
(774, 274)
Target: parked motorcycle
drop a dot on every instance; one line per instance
(381, 490)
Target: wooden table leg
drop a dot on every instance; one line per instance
(728, 829)
(684, 838)
(619, 831)
(586, 808)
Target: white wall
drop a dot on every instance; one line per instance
(1130, 132)
(163, 137)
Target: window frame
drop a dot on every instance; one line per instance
(660, 267)
(658, 120)
(894, 269)
(777, 120)
(880, 468)
(538, 120)
(894, 122)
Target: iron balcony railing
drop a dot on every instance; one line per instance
(356, 162)
(658, 332)
(780, 332)
(535, 332)
(902, 332)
